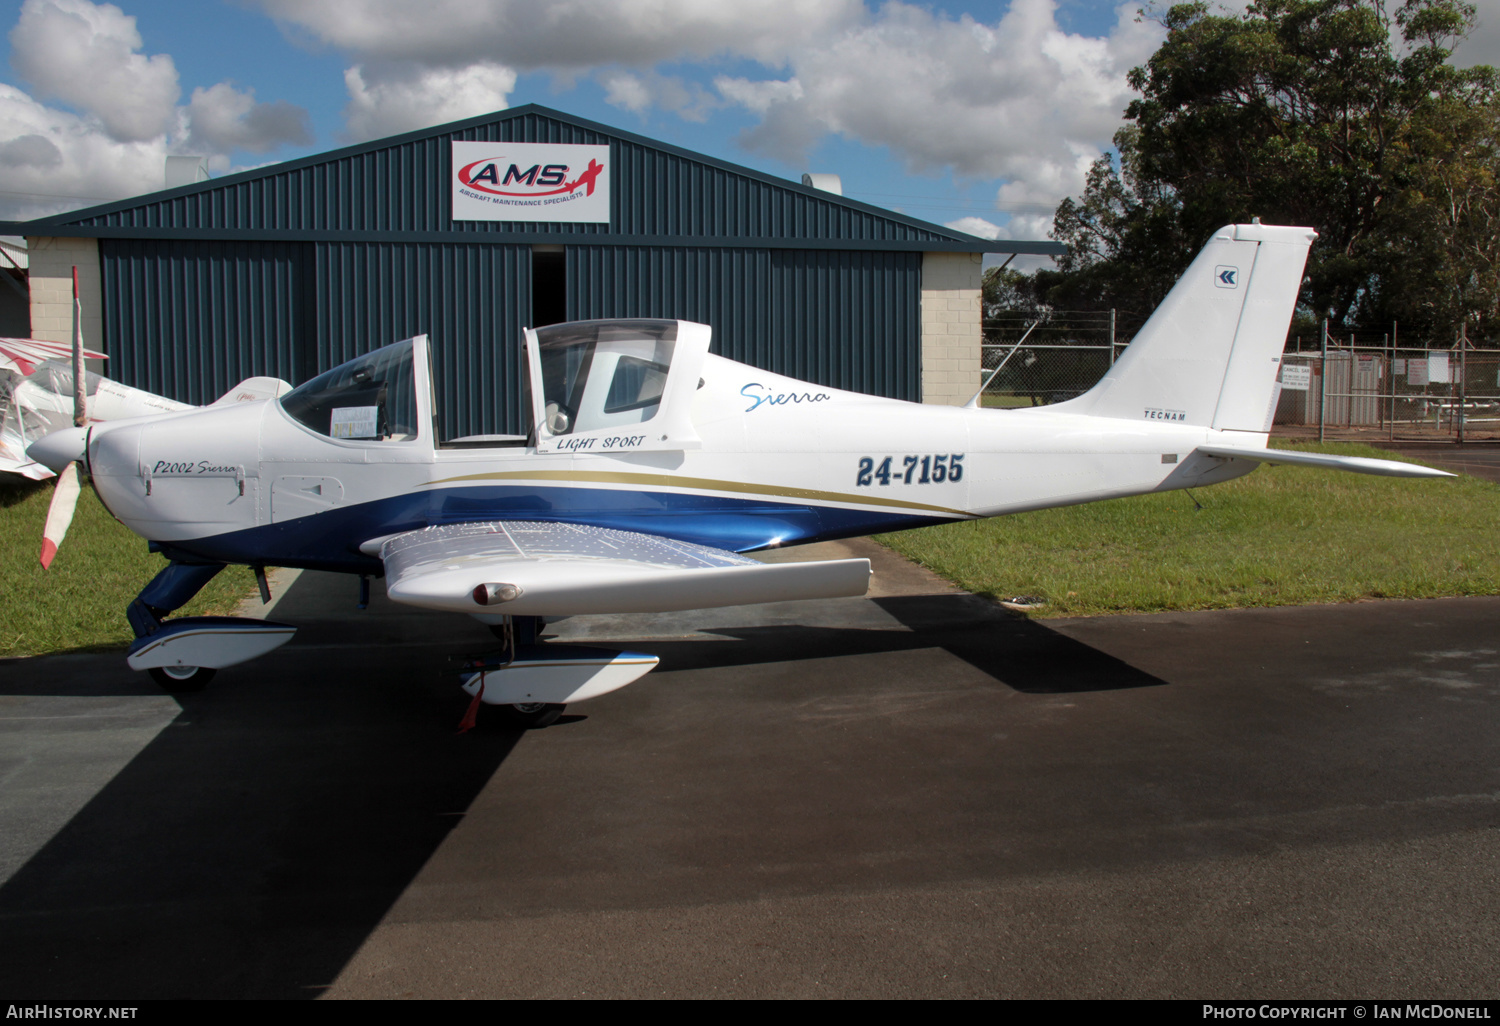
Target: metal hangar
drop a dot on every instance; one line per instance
(468, 231)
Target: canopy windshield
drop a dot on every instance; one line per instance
(371, 397)
(603, 374)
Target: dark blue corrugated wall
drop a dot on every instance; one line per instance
(190, 319)
(470, 300)
(843, 319)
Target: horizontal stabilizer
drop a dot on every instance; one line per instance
(525, 568)
(1353, 464)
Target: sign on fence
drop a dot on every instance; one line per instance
(1296, 378)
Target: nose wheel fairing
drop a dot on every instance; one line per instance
(211, 642)
(182, 654)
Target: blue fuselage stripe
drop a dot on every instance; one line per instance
(330, 540)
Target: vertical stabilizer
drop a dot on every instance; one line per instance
(1211, 352)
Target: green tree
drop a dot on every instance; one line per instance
(1337, 114)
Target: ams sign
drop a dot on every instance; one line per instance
(530, 182)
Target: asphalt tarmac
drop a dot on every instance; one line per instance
(917, 794)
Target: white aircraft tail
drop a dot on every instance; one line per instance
(253, 389)
(1211, 352)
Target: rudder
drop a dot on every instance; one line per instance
(1209, 354)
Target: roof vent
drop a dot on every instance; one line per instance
(828, 183)
(186, 171)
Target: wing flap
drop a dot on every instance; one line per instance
(572, 569)
(1354, 464)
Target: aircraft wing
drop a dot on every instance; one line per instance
(562, 569)
(1356, 464)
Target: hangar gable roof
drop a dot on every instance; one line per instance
(397, 189)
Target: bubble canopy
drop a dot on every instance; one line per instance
(371, 397)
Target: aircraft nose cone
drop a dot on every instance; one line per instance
(58, 449)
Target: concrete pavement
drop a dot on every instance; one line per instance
(913, 795)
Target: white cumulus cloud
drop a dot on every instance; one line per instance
(562, 34)
(386, 98)
(119, 115)
(1020, 100)
(1015, 98)
(87, 55)
(639, 92)
(758, 97)
(976, 226)
(55, 160)
(222, 118)
(404, 52)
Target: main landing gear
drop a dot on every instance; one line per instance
(520, 637)
(531, 715)
(179, 680)
(531, 683)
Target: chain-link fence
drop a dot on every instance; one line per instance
(1388, 392)
(1059, 357)
(1330, 388)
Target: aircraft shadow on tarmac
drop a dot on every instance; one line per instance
(1021, 653)
(252, 846)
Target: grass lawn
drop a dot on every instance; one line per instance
(80, 602)
(1279, 536)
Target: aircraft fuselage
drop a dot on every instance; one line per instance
(779, 462)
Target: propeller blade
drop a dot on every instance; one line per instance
(60, 512)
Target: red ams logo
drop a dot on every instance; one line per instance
(537, 180)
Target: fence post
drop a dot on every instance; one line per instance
(1111, 336)
(1353, 365)
(1323, 379)
(1390, 377)
(1463, 378)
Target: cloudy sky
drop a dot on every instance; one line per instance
(979, 115)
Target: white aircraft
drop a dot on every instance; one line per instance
(652, 465)
(36, 398)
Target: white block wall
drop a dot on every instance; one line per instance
(952, 332)
(51, 274)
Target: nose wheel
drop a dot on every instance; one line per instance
(531, 715)
(181, 679)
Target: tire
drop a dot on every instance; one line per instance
(532, 715)
(176, 680)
